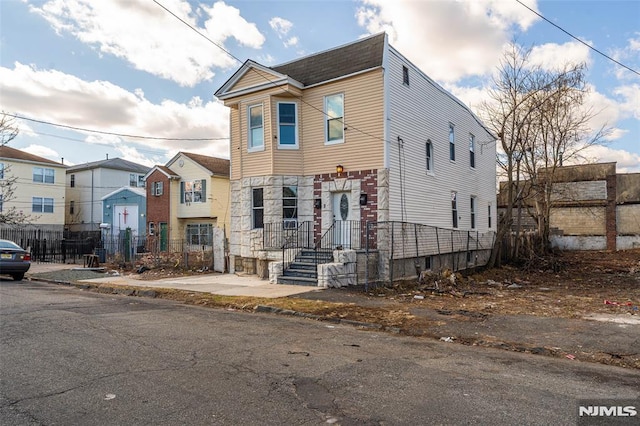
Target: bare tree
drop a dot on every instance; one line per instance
(538, 118)
(9, 215)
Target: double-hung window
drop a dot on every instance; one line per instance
(42, 205)
(157, 188)
(43, 175)
(489, 216)
(334, 116)
(472, 151)
(72, 181)
(452, 143)
(193, 191)
(256, 128)
(454, 209)
(472, 206)
(289, 206)
(287, 125)
(429, 149)
(257, 205)
(133, 180)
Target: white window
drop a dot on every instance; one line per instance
(452, 143)
(42, 205)
(287, 125)
(290, 206)
(152, 228)
(472, 150)
(140, 181)
(257, 203)
(43, 175)
(157, 188)
(472, 206)
(256, 129)
(334, 116)
(193, 191)
(199, 234)
(454, 209)
(133, 179)
(429, 149)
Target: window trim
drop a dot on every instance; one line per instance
(44, 201)
(472, 151)
(452, 142)
(44, 173)
(151, 228)
(250, 145)
(328, 118)
(157, 188)
(72, 180)
(473, 203)
(454, 209)
(429, 156)
(254, 208)
(290, 222)
(295, 126)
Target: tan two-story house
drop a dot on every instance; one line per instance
(331, 143)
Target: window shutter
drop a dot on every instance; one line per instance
(204, 190)
(181, 192)
(153, 187)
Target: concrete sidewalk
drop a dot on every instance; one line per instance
(221, 284)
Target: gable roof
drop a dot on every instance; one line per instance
(217, 166)
(164, 170)
(16, 154)
(363, 54)
(357, 56)
(111, 163)
(141, 192)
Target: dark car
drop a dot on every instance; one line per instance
(14, 260)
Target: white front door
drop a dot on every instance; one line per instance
(341, 218)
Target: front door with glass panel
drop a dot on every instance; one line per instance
(342, 218)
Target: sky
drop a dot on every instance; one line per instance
(129, 67)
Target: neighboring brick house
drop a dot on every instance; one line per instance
(357, 134)
(88, 183)
(594, 208)
(38, 189)
(187, 198)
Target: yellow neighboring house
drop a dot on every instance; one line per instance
(38, 189)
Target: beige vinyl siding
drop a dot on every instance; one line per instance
(218, 197)
(364, 117)
(422, 111)
(253, 77)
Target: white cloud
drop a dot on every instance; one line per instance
(282, 27)
(56, 97)
(448, 40)
(150, 38)
(550, 55)
(42, 151)
(627, 162)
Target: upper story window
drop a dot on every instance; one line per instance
(43, 175)
(42, 205)
(454, 209)
(136, 180)
(429, 149)
(256, 128)
(290, 206)
(334, 115)
(257, 207)
(1, 170)
(405, 75)
(141, 183)
(193, 191)
(157, 188)
(287, 125)
(452, 142)
(472, 150)
(72, 181)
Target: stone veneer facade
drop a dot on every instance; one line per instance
(246, 244)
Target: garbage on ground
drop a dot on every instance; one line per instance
(609, 302)
(447, 339)
(571, 356)
(418, 296)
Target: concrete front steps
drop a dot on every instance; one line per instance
(304, 269)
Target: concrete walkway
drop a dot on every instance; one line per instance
(222, 284)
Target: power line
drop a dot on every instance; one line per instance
(124, 135)
(576, 38)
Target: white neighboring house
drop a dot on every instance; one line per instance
(39, 188)
(88, 183)
(351, 136)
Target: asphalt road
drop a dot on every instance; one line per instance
(71, 357)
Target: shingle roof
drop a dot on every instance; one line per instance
(16, 154)
(112, 163)
(217, 166)
(167, 170)
(348, 59)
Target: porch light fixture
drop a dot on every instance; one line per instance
(339, 169)
(317, 203)
(363, 199)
